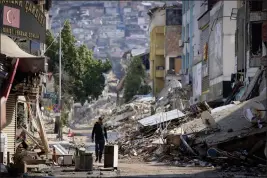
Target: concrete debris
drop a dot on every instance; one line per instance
(200, 136)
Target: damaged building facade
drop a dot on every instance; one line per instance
(165, 53)
(22, 66)
(251, 41)
(209, 49)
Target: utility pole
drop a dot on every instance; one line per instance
(59, 99)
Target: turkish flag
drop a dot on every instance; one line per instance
(11, 17)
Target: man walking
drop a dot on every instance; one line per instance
(99, 135)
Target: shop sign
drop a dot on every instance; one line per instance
(22, 19)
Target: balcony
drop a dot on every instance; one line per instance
(160, 71)
(160, 29)
(159, 49)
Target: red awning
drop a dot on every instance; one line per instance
(28, 62)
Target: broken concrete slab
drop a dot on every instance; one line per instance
(161, 117)
(230, 118)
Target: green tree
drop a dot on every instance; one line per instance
(134, 81)
(84, 73)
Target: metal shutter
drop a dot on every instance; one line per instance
(11, 123)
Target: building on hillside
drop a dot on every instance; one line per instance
(165, 27)
(21, 66)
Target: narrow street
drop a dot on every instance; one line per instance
(168, 88)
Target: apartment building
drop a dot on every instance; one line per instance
(165, 55)
(208, 48)
(190, 42)
(156, 56)
(250, 56)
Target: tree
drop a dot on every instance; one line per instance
(134, 81)
(84, 73)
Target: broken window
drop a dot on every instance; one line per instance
(171, 63)
(256, 40)
(173, 16)
(255, 5)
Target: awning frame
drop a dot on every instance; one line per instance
(28, 62)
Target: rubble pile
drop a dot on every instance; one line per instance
(219, 137)
(173, 96)
(129, 113)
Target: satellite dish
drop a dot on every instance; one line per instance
(254, 111)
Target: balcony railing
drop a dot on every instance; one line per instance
(160, 71)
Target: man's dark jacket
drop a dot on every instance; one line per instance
(99, 132)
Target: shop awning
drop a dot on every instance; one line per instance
(28, 62)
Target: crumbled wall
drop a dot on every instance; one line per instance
(172, 37)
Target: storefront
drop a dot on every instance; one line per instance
(20, 71)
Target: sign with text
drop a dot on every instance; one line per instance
(22, 19)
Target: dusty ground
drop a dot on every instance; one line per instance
(134, 167)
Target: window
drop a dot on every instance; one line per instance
(187, 60)
(186, 5)
(256, 5)
(256, 39)
(173, 16)
(187, 32)
(171, 63)
(191, 3)
(183, 31)
(183, 62)
(183, 11)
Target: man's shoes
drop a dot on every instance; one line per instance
(96, 159)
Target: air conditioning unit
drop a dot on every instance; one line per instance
(181, 43)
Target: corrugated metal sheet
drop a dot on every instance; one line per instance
(10, 128)
(161, 117)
